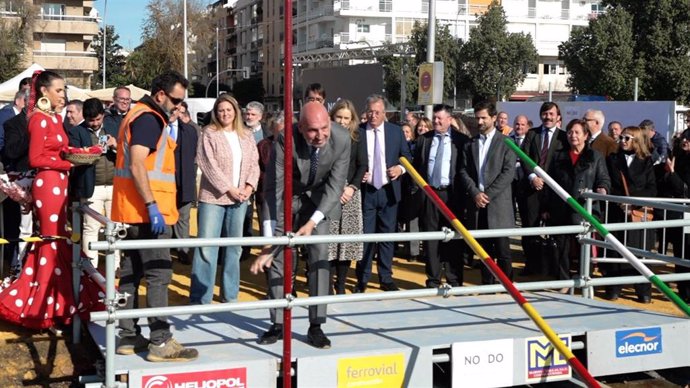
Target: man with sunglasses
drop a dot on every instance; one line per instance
(144, 196)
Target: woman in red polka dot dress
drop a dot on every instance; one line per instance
(41, 297)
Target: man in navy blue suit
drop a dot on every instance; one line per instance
(9, 111)
(385, 144)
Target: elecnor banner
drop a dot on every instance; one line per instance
(638, 342)
(220, 378)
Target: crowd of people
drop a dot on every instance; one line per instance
(346, 179)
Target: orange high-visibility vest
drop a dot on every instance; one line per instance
(128, 206)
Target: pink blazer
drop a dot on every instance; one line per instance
(215, 160)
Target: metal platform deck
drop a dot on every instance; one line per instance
(486, 340)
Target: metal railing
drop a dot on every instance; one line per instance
(66, 53)
(114, 233)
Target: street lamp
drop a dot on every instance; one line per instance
(105, 32)
(184, 31)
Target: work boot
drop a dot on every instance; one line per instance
(171, 350)
(132, 345)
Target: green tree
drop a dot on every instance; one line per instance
(163, 40)
(445, 50)
(492, 62)
(15, 37)
(114, 60)
(658, 40)
(601, 57)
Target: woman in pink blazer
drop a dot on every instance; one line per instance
(229, 164)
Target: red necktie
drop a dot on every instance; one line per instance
(544, 148)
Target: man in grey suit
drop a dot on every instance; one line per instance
(321, 157)
(486, 174)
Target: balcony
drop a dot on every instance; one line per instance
(354, 5)
(65, 24)
(313, 45)
(313, 14)
(67, 60)
(362, 39)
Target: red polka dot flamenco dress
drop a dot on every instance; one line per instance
(42, 295)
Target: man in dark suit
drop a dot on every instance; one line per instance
(436, 158)
(486, 174)
(186, 137)
(93, 184)
(385, 144)
(15, 157)
(541, 143)
(598, 140)
(9, 111)
(321, 158)
(520, 128)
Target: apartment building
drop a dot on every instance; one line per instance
(62, 34)
(327, 26)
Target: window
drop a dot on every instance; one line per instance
(362, 28)
(53, 45)
(554, 68)
(53, 10)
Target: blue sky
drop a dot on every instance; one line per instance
(127, 17)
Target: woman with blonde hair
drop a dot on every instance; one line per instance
(631, 170)
(424, 125)
(350, 222)
(229, 164)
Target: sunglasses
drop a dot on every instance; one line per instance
(174, 100)
(625, 138)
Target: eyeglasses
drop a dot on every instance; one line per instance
(315, 99)
(123, 99)
(625, 138)
(174, 100)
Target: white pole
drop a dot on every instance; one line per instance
(105, 32)
(431, 46)
(637, 86)
(184, 32)
(217, 64)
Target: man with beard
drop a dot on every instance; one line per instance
(486, 174)
(541, 143)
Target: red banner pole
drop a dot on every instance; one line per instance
(287, 198)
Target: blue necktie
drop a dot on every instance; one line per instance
(438, 163)
(173, 133)
(313, 165)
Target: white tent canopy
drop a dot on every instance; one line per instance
(107, 94)
(12, 84)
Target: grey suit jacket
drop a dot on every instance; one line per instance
(498, 176)
(323, 194)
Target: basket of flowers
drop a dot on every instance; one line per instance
(83, 155)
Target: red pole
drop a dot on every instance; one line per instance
(287, 198)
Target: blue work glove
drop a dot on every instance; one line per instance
(156, 219)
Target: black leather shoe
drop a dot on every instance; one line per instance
(272, 336)
(612, 295)
(645, 299)
(389, 286)
(317, 339)
(359, 289)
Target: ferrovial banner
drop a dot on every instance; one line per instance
(384, 371)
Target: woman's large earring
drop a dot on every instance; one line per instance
(43, 104)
